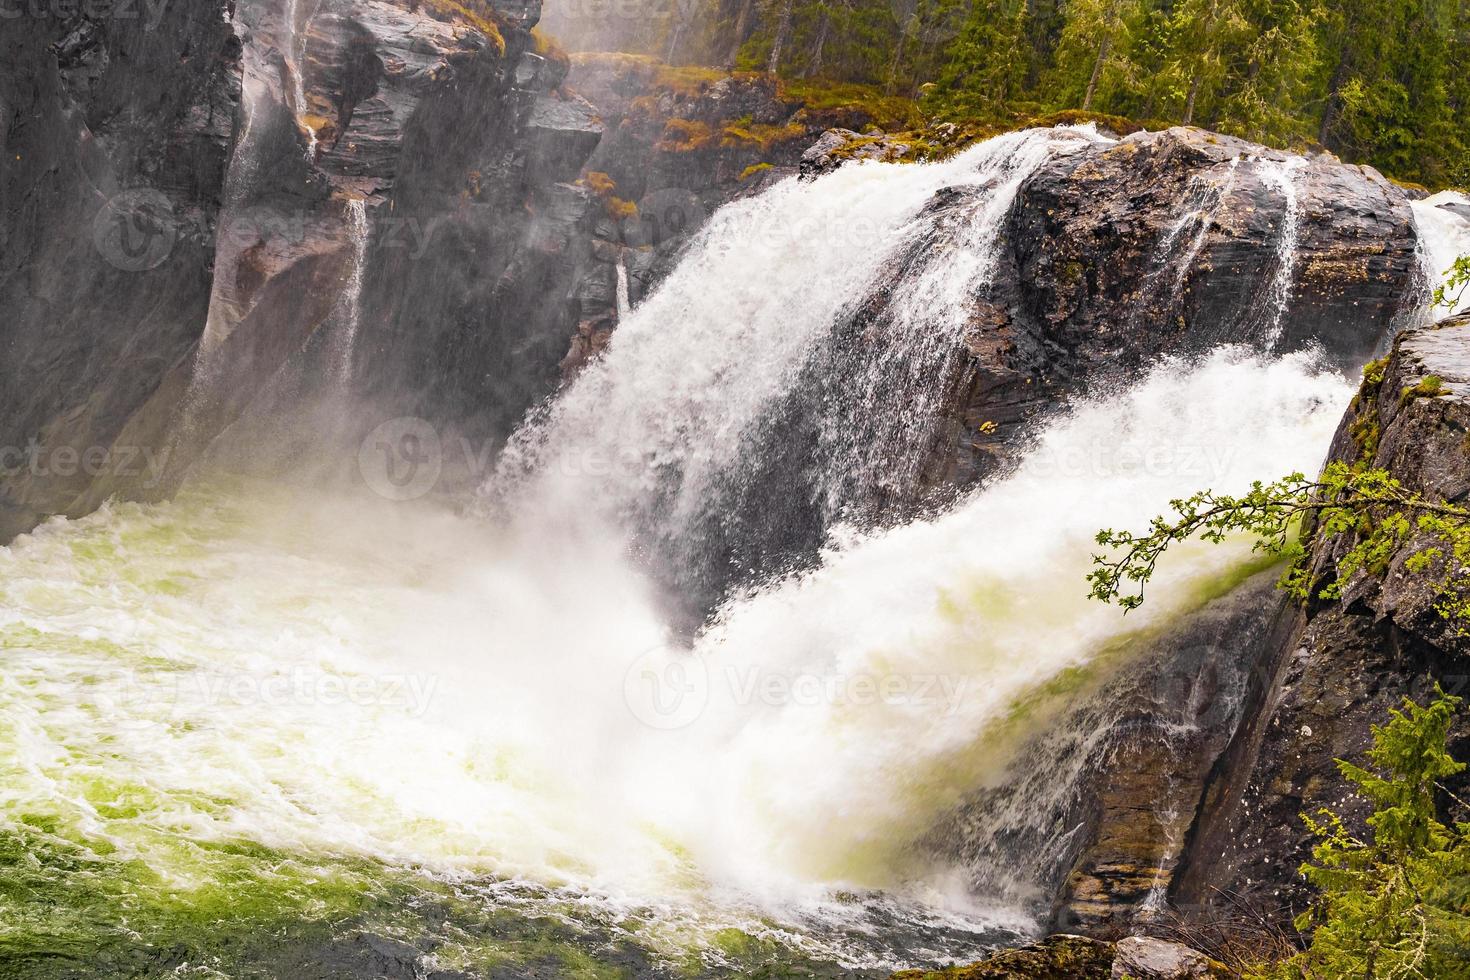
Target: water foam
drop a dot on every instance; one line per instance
(186, 672)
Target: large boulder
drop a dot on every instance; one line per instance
(1068, 957)
(1145, 958)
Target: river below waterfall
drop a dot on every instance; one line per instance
(259, 723)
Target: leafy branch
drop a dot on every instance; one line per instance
(1452, 293)
(1382, 514)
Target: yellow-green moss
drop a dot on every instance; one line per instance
(762, 135)
(605, 187)
(1121, 125)
(884, 110)
(473, 13)
(685, 135)
(754, 169)
(1431, 387)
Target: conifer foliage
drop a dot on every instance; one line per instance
(1383, 82)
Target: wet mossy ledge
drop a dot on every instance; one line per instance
(882, 125)
(1067, 957)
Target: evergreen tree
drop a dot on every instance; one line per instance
(1095, 55)
(1398, 903)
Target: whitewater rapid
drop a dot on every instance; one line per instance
(358, 678)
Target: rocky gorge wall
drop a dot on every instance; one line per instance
(501, 186)
(1344, 663)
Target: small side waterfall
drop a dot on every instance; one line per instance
(1278, 299)
(347, 315)
(1201, 208)
(624, 305)
(294, 38)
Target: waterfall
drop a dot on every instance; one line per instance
(679, 432)
(295, 43)
(624, 305)
(253, 684)
(347, 314)
(1283, 281)
(1444, 235)
(1206, 199)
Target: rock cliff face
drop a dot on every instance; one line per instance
(198, 208)
(1343, 664)
(116, 134)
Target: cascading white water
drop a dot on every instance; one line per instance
(295, 43)
(347, 314)
(1443, 221)
(671, 430)
(353, 679)
(1283, 281)
(1202, 206)
(624, 304)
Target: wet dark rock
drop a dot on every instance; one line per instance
(107, 227)
(1059, 957)
(1347, 662)
(1068, 957)
(563, 132)
(1168, 242)
(463, 164)
(1143, 958)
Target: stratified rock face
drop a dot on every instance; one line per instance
(116, 133)
(1346, 663)
(180, 209)
(1187, 239)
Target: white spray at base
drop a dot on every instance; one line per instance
(515, 711)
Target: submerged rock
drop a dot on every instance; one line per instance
(1060, 957)
(1067, 957)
